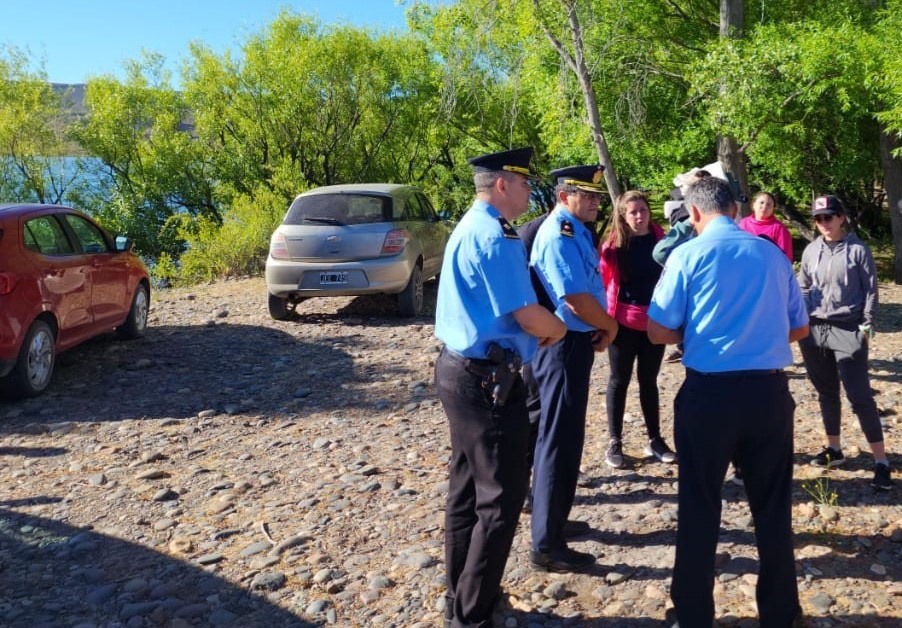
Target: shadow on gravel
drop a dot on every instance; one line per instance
(56, 574)
(180, 371)
(889, 316)
(381, 307)
(33, 452)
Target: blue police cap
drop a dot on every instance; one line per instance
(514, 160)
(585, 178)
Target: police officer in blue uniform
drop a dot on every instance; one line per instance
(488, 317)
(566, 261)
(733, 300)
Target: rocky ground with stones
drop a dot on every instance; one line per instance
(231, 470)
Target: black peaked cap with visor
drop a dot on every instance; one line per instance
(585, 178)
(516, 160)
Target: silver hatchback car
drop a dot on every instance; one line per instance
(365, 238)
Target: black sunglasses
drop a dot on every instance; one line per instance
(825, 217)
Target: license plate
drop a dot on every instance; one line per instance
(330, 279)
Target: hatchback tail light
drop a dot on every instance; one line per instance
(8, 281)
(278, 247)
(395, 241)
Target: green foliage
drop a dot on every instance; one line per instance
(821, 492)
(237, 246)
(32, 135)
(890, 78)
(154, 169)
(799, 99)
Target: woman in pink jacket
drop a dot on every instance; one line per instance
(629, 274)
(764, 223)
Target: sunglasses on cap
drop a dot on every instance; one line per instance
(825, 217)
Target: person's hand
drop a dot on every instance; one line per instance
(600, 340)
(868, 332)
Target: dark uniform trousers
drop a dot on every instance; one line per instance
(746, 417)
(562, 371)
(487, 486)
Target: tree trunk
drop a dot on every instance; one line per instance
(577, 63)
(585, 82)
(892, 183)
(732, 23)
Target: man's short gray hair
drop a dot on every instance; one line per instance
(569, 188)
(484, 181)
(711, 196)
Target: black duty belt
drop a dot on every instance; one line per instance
(476, 366)
(740, 373)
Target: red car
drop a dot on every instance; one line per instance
(63, 280)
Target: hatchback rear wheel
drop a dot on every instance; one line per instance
(281, 308)
(136, 323)
(34, 367)
(410, 300)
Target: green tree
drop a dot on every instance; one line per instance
(153, 170)
(33, 132)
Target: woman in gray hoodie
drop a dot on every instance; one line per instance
(839, 284)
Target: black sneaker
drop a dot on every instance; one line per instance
(614, 455)
(674, 356)
(562, 560)
(882, 480)
(658, 448)
(829, 457)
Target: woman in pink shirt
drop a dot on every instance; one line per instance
(629, 273)
(764, 223)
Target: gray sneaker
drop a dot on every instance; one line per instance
(614, 456)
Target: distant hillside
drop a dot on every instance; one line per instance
(73, 95)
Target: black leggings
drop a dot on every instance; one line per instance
(633, 346)
(833, 355)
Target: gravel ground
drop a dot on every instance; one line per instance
(231, 470)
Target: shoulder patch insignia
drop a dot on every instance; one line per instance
(567, 228)
(506, 228)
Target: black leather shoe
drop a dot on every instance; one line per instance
(574, 528)
(562, 560)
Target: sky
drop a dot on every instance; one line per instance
(78, 39)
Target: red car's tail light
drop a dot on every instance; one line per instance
(8, 281)
(278, 247)
(395, 241)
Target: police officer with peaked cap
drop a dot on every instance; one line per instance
(486, 304)
(566, 261)
(733, 300)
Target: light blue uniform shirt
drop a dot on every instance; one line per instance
(566, 262)
(485, 278)
(735, 297)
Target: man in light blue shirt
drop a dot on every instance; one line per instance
(566, 262)
(733, 300)
(486, 305)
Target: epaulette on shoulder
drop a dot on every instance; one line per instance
(508, 231)
(567, 228)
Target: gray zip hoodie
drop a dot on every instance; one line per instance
(840, 285)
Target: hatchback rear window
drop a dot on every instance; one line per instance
(339, 209)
